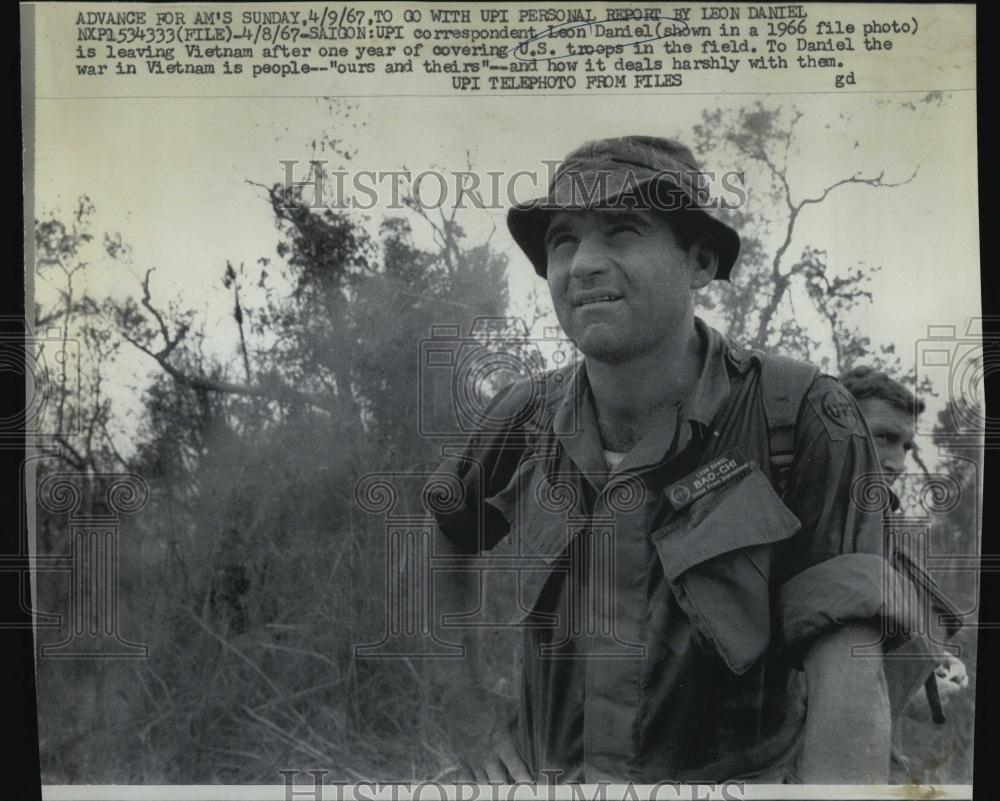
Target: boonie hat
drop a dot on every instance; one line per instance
(625, 172)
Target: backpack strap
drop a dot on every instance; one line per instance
(784, 384)
(934, 698)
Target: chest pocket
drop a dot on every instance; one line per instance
(717, 559)
(540, 511)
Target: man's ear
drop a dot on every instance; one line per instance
(705, 260)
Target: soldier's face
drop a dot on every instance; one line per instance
(621, 284)
(892, 429)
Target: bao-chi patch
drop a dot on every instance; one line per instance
(729, 466)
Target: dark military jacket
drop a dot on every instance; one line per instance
(666, 606)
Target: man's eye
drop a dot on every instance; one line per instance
(882, 438)
(559, 240)
(624, 228)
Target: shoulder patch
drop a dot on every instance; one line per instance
(837, 409)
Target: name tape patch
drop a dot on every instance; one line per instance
(721, 470)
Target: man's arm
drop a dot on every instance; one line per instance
(848, 733)
(840, 591)
(482, 730)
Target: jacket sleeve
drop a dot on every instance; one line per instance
(837, 568)
(481, 469)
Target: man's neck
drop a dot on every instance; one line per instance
(632, 397)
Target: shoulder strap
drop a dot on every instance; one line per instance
(784, 384)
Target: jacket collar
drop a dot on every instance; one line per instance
(575, 420)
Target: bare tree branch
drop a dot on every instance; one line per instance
(876, 181)
(781, 280)
(76, 459)
(780, 175)
(111, 444)
(204, 383)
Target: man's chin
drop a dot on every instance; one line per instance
(604, 344)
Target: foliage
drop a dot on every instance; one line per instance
(763, 141)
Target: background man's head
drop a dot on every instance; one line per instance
(891, 411)
(623, 239)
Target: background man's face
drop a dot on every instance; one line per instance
(620, 283)
(892, 429)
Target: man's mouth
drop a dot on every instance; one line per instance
(591, 297)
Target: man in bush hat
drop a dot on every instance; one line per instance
(694, 568)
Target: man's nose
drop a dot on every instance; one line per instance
(590, 257)
(894, 460)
